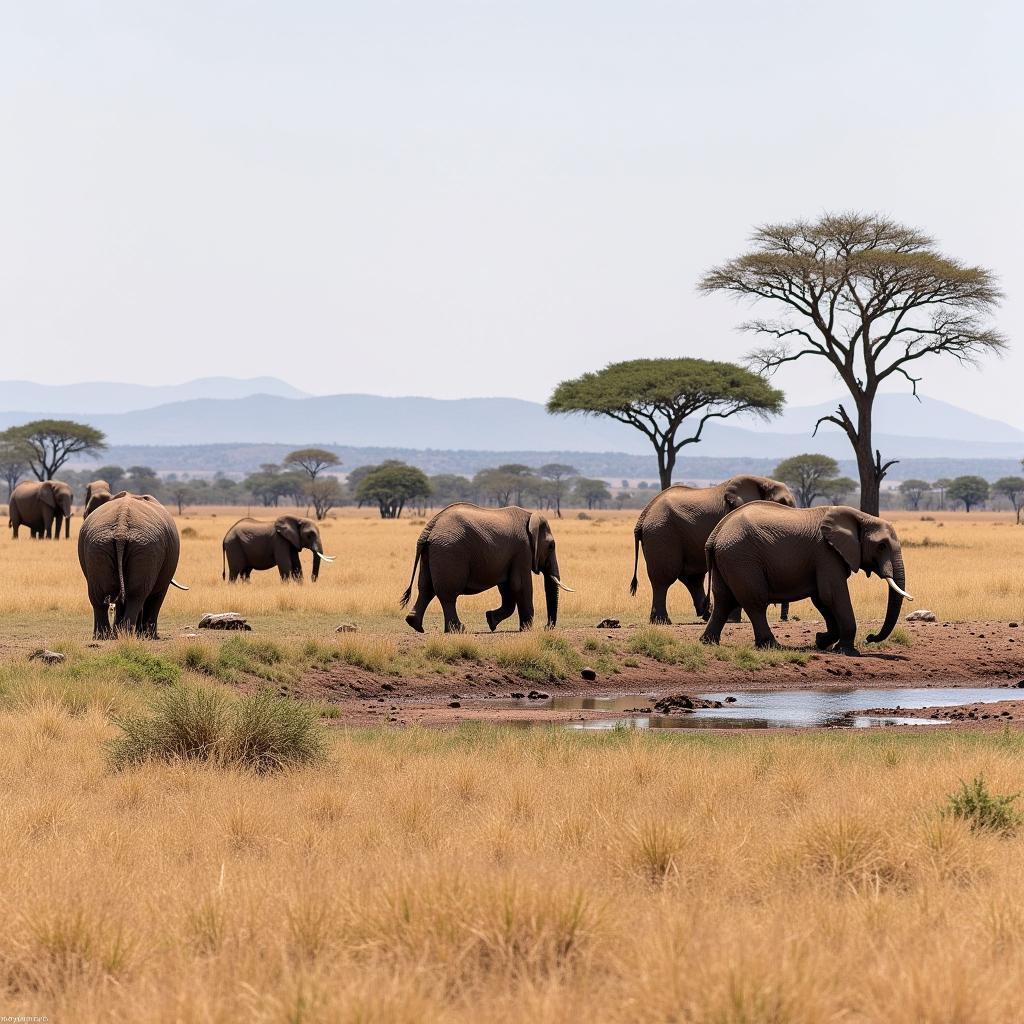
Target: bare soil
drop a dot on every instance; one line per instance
(939, 655)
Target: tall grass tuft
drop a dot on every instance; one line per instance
(985, 811)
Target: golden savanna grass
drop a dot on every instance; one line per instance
(508, 876)
(962, 566)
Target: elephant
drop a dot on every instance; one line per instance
(763, 553)
(128, 549)
(42, 505)
(675, 526)
(96, 494)
(466, 549)
(252, 544)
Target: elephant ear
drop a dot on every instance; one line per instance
(738, 492)
(841, 532)
(46, 494)
(534, 529)
(289, 529)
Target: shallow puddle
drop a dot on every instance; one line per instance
(785, 709)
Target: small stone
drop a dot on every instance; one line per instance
(730, 700)
(517, 696)
(921, 615)
(588, 673)
(224, 620)
(47, 657)
(1014, 625)
(347, 627)
(454, 704)
(536, 695)
(608, 624)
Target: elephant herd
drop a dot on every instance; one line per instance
(742, 544)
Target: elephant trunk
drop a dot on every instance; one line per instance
(551, 588)
(67, 525)
(894, 573)
(316, 565)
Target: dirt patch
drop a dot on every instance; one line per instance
(938, 654)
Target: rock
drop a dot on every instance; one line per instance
(454, 704)
(517, 696)
(608, 624)
(347, 627)
(223, 620)
(921, 615)
(1014, 625)
(588, 673)
(190, 636)
(682, 704)
(47, 657)
(536, 695)
(730, 700)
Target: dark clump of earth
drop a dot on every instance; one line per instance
(682, 704)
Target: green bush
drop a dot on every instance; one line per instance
(984, 811)
(141, 665)
(262, 733)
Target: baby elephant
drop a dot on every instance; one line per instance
(764, 553)
(466, 549)
(253, 544)
(128, 549)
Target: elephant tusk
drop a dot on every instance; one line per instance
(175, 583)
(326, 558)
(893, 585)
(558, 583)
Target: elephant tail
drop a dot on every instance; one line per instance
(420, 553)
(119, 546)
(637, 530)
(223, 561)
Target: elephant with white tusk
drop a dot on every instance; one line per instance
(764, 553)
(466, 549)
(254, 544)
(128, 549)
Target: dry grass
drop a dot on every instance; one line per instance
(963, 567)
(508, 876)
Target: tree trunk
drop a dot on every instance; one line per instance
(666, 463)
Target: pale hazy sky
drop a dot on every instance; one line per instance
(476, 198)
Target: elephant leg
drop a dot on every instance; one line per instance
(508, 606)
(659, 602)
(823, 641)
(525, 602)
(452, 624)
(736, 615)
(424, 595)
(130, 616)
(100, 621)
(151, 613)
(784, 612)
(695, 585)
(296, 566)
(722, 604)
(838, 601)
(763, 635)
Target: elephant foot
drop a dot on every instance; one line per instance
(525, 626)
(823, 641)
(848, 650)
(660, 619)
(452, 627)
(414, 622)
(711, 639)
(768, 645)
(492, 625)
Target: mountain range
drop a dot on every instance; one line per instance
(268, 411)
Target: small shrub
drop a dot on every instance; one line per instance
(546, 659)
(984, 811)
(262, 732)
(374, 654)
(661, 645)
(141, 666)
(189, 533)
(239, 655)
(452, 648)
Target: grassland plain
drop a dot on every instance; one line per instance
(485, 874)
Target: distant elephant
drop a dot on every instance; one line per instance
(763, 553)
(253, 544)
(675, 526)
(128, 549)
(41, 506)
(466, 549)
(96, 494)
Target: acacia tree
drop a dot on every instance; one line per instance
(913, 491)
(971, 490)
(391, 485)
(870, 296)
(312, 461)
(942, 485)
(14, 460)
(1012, 488)
(838, 489)
(48, 444)
(807, 475)
(659, 396)
(559, 474)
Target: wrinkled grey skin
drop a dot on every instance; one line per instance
(128, 549)
(764, 553)
(466, 549)
(675, 526)
(41, 506)
(255, 544)
(96, 494)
